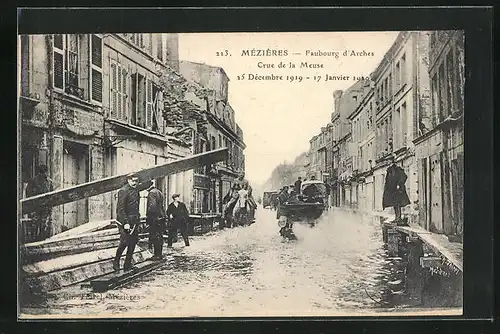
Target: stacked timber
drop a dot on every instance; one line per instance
(74, 256)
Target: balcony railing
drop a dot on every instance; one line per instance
(75, 91)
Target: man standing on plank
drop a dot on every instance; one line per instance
(127, 214)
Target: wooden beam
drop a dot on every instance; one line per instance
(97, 187)
(116, 279)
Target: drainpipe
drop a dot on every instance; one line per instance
(49, 92)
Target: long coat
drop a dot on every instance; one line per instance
(155, 204)
(127, 207)
(394, 188)
(180, 214)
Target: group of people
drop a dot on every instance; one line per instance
(239, 202)
(174, 219)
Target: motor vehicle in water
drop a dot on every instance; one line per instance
(309, 205)
(269, 199)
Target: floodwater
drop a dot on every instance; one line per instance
(338, 267)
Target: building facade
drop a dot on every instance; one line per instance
(221, 130)
(92, 106)
(363, 139)
(439, 140)
(401, 92)
(412, 107)
(345, 148)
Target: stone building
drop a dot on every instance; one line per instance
(221, 130)
(313, 165)
(345, 149)
(363, 139)
(439, 139)
(401, 92)
(91, 107)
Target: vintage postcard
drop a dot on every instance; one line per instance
(241, 174)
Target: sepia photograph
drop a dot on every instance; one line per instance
(240, 174)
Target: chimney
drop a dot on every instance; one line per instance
(336, 100)
(172, 48)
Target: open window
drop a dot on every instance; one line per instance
(118, 91)
(142, 99)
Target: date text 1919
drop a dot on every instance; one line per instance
(264, 53)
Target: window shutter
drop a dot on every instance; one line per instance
(96, 68)
(124, 92)
(119, 92)
(58, 62)
(134, 99)
(113, 106)
(149, 103)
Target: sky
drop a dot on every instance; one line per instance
(279, 117)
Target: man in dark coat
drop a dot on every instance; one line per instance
(297, 185)
(128, 217)
(156, 219)
(41, 184)
(394, 189)
(282, 198)
(178, 215)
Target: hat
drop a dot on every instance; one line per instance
(174, 196)
(131, 176)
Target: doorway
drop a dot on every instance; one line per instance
(75, 171)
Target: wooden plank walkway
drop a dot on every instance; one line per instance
(88, 227)
(118, 278)
(439, 243)
(66, 277)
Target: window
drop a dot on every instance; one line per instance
(230, 153)
(143, 91)
(96, 68)
(58, 62)
(397, 76)
(459, 77)
(214, 144)
(390, 85)
(397, 128)
(389, 137)
(159, 46)
(72, 62)
(119, 91)
(451, 83)
(435, 97)
(442, 92)
(71, 68)
(404, 125)
(149, 103)
(403, 70)
(220, 140)
(137, 39)
(199, 200)
(386, 84)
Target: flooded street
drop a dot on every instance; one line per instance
(339, 266)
